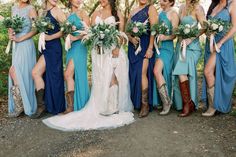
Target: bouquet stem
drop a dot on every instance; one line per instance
(156, 41)
(41, 44)
(213, 44)
(139, 49)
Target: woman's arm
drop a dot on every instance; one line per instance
(201, 17)
(32, 15)
(60, 16)
(232, 31)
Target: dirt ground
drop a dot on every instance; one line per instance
(154, 136)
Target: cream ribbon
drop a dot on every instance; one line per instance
(139, 49)
(213, 44)
(183, 45)
(41, 43)
(156, 41)
(9, 46)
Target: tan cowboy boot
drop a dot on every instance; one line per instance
(210, 111)
(15, 91)
(165, 99)
(145, 106)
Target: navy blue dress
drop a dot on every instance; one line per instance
(136, 63)
(54, 81)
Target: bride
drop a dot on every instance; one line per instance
(109, 105)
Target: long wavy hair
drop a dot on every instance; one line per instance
(192, 6)
(214, 3)
(114, 9)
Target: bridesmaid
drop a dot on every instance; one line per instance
(185, 83)
(50, 88)
(141, 65)
(164, 61)
(220, 68)
(76, 76)
(21, 95)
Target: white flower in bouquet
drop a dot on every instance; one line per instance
(187, 30)
(107, 30)
(214, 26)
(188, 26)
(221, 28)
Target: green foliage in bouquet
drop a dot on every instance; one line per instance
(103, 35)
(213, 25)
(136, 29)
(15, 22)
(186, 31)
(161, 28)
(42, 24)
(67, 27)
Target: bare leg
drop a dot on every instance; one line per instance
(69, 76)
(13, 75)
(37, 73)
(158, 73)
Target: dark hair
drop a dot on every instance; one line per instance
(173, 2)
(114, 9)
(214, 3)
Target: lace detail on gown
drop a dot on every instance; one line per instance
(103, 98)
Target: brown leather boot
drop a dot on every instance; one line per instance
(188, 104)
(40, 102)
(145, 106)
(70, 102)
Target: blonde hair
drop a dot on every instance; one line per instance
(192, 6)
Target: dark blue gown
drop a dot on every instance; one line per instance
(54, 81)
(136, 63)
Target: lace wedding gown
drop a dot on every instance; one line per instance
(104, 99)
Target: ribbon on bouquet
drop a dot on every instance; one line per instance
(183, 45)
(156, 41)
(139, 49)
(10, 42)
(41, 43)
(213, 44)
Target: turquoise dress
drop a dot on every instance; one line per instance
(225, 72)
(167, 56)
(187, 67)
(78, 54)
(23, 60)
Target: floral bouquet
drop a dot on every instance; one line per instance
(215, 26)
(16, 23)
(42, 25)
(158, 29)
(67, 28)
(186, 31)
(102, 36)
(137, 29)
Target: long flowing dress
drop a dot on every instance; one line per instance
(167, 56)
(225, 72)
(54, 80)
(187, 67)
(23, 60)
(136, 63)
(90, 118)
(78, 54)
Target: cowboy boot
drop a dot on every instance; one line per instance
(70, 102)
(210, 111)
(15, 91)
(165, 99)
(145, 106)
(188, 104)
(40, 103)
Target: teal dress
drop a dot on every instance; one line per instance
(187, 67)
(78, 54)
(167, 56)
(23, 60)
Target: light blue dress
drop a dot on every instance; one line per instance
(23, 60)
(167, 56)
(187, 67)
(225, 72)
(78, 54)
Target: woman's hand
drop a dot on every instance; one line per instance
(135, 41)
(73, 38)
(219, 44)
(48, 37)
(189, 41)
(149, 53)
(115, 52)
(14, 38)
(162, 37)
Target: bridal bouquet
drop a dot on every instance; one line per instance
(16, 23)
(67, 28)
(102, 36)
(137, 29)
(215, 26)
(186, 31)
(42, 25)
(158, 29)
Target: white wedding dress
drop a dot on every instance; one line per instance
(104, 100)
